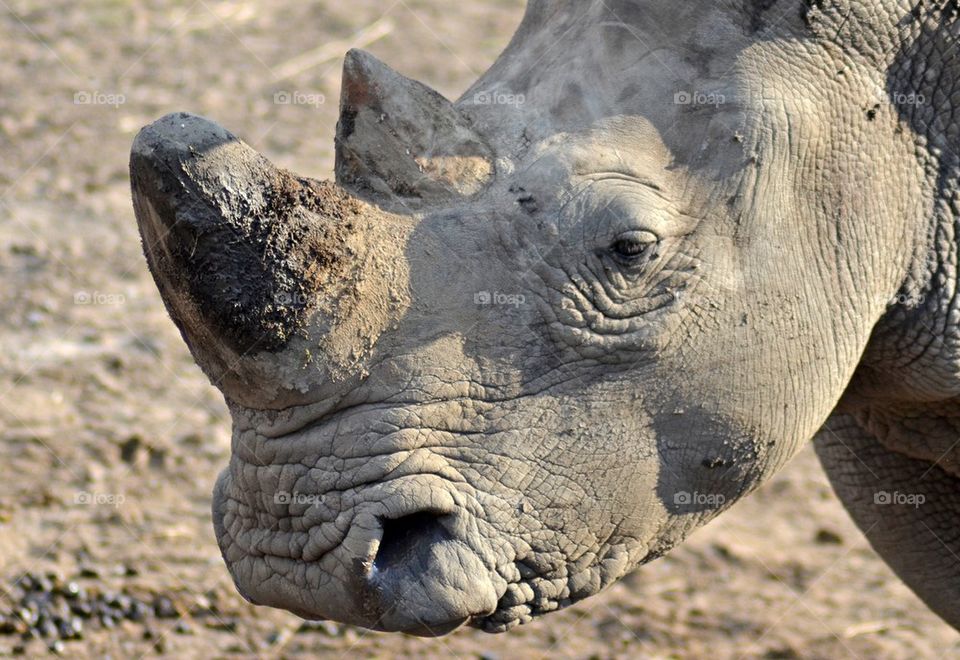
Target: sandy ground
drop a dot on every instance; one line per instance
(111, 437)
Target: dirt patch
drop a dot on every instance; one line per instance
(319, 254)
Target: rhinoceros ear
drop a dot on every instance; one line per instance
(400, 138)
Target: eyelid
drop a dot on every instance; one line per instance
(637, 235)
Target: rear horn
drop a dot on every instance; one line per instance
(398, 138)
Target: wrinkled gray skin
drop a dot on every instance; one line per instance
(680, 296)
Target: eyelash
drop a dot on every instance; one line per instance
(630, 249)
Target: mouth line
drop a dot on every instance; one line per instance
(314, 416)
(309, 416)
(306, 417)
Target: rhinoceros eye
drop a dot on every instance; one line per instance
(630, 248)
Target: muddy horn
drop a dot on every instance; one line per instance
(238, 247)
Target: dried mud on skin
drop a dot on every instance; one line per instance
(112, 438)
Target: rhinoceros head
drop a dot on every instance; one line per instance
(531, 339)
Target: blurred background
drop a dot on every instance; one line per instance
(112, 438)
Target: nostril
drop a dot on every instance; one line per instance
(425, 579)
(406, 539)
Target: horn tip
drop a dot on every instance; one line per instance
(179, 131)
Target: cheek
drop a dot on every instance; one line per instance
(763, 367)
(585, 468)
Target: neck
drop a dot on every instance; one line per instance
(915, 353)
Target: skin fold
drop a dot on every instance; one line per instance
(533, 338)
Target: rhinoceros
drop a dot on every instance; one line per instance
(532, 339)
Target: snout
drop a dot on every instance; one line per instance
(402, 565)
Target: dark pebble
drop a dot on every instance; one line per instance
(229, 625)
(826, 537)
(183, 628)
(81, 609)
(71, 629)
(129, 449)
(28, 616)
(48, 628)
(121, 603)
(139, 611)
(89, 572)
(164, 609)
(8, 626)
